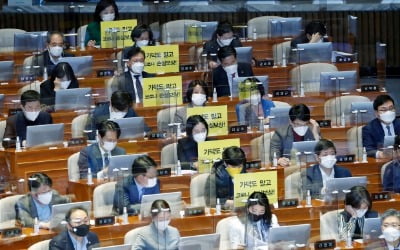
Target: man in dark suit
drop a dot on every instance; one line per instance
(314, 32)
(229, 69)
(132, 80)
(77, 236)
(385, 124)
(30, 115)
(142, 181)
(97, 156)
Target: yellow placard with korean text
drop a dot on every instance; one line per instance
(212, 150)
(215, 116)
(117, 34)
(161, 59)
(158, 91)
(245, 184)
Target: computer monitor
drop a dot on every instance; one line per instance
(388, 141)
(297, 233)
(365, 111)
(1, 102)
(372, 228)
(73, 99)
(6, 70)
(340, 185)
(285, 27)
(81, 65)
(200, 242)
(117, 247)
(314, 52)
(244, 54)
(122, 161)
(304, 146)
(58, 211)
(44, 135)
(131, 128)
(343, 81)
(30, 41)
(174, 200)
(237, 80)
(208, 29)
(279, 116)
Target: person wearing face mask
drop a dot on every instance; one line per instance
(196, 132)
(158, 234)
(130, 190)
(358, 204)
(223, 36)
(97, 156)
(196, 95)
(385, 124)
(314, 32)
(391, 176)
(62, 77)
(77, 235)
(390, 226)
(141, 35)
(314, 177)
(30, 115)
(227, 70)
(37, 203)
(106, 10)
(300, 128)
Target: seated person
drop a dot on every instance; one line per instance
(223, 36)
(259, 219)
(158, 234)
(62, 77)
(141, 36)
(358, 204)
(132, 80)
(97, 156)
(300, 128)
(106, 10)
(314, 32)
(129, 190)
(196, 131)
(30, 115)
(385, 124)
(316, 176)
(196, 95)
(219, 184)
(390, 226)
(77, 234)
(391, 176)
(227, 70)
(37, 203)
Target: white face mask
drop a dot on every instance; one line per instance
(360, 212)
(137, 67)
(388, 116)
(162, 225)
(65, 84)
(391, 234)
(255, 99)
(302, 130)
(151, 182)
(198, 99)
(31, 115)
(109, 146)
(45, 198)
(117, 115)
(231, 69)
(56, 51)
(142, 43)
(225, 42)
(108, 17)
(199, 137)
(328, 161)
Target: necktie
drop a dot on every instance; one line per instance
(106, 160)
(139, 88)
(388, 129)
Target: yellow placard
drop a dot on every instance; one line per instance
(162, 58)
(158, 91)
(215, 116)
(246, 88)
(117, 34)
(245, 184)
(212, 150)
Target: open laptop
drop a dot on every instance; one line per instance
(200, 242)
(58, 211)
(372, 228)
(73, 99)
(131, 127)
(117, 247)
(122, 161)
(297, 233)
(6, 70)
(44, 135)
(174, 200)
(340, 185)
(81, 65)
(314, 52)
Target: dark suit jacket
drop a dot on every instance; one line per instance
(373, 135)
(358, 229)
(220, 79)
(212, 47)
(127, 195)
(64, 242)
(91, 157)
(47, 93)
(125, 83)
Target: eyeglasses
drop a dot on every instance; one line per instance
(385, 109)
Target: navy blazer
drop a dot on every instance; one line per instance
(220, 79)
(125, 83)
(391, 177)
(187, 151)
(373, 135)
(64, 242)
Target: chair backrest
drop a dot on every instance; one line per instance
(354, 140)
(81, 35)
(103, 196)
(310, 75)
(197, 188)
(175, 29)
(2, 128)
(130, 236)
(7, 208)
(293, 186)
(223, 230)
(169, 155)
(165, 117)
(383, 169)
(31, 86)
(73, 168)
(7, 39)
(260, 147)
(335, 107)
(279, 50)
(78, 125)
(41, 245)
(329, 225)
(260, 24)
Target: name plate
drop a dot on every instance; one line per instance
(238, 129)
(288, 203)
(344, 59)
(325, 244)
(76, 141)
(265, 63)
(186, 68)
(156, 135)
(345, 158)
(164, 172)
(107, 220)
(105, 72)
(279, 93)
(324, 123)
(381, 196)
(27, 78)
(193, 211)
(369, 88)
(253, 164)
(11, 232)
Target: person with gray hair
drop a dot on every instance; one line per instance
(390, 226)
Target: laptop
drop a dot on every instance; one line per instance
(200, 242)
(73, 99)
(297, 233)
(59, 211)
(174, 200)
(45, 135)
(340, 185)
(372, 228)
(6, 70)
(117, 247)
(81, 65)
(121, 161)
(131, 127)
(314, 52)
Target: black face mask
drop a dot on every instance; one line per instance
(255, 218)
(81, 230)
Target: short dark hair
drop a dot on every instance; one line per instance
(380, 100)
(133, 51)
(234, 156)
(299, 111)
(323, 144)
(192, 85)
(223, 28)
(121, 100)
(61, 70)
(389, 213)
(29, 96)
(192, 121)
(358, 195)
(40, 179)
(52, 33)
(158, 206)
(103, 4)
(109, 126)
(314, 27)
(142, 164)
(139, 30)
(259, 198)
(226, 51)
(72, 210)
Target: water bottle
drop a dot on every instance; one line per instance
(215, 95)
(275, 161)
(36, 226)
(308, 199)
(254, 34)
(45, 76)
(18, 145)
(364, 156)
(218, 208)
(342, 120)
(89, 177)
(125, 216)
(178, 168)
